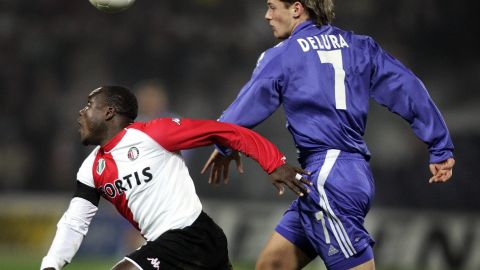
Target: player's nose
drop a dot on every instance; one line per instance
(268, 16)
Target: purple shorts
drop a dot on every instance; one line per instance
(329, 221)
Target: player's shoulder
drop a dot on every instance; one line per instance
(157, 127)
(84, 173)
(93, 153)
(352, 37)
(162, 121)
(273, 53)
(88, 161)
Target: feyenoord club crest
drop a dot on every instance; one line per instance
(100, 166)
(133, 153)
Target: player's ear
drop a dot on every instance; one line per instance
(110, 113)
(297, 9)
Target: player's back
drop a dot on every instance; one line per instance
(327, 88)
(324, 77)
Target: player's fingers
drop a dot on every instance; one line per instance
(215, 175)
(209, 162)
(433, 169)
(210, 177)
(446, 175)
(206, 166)
(441, 176)
(434, 177)
(280, 188)
(302, 179)
(296, 189)
(449, 163)
(302, 171)
(226, 172)
(219, 175)
(303, 190)
(239, 164)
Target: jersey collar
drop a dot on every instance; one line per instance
(303, 25)
(114, 141)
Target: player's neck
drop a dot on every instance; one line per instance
(113, 129)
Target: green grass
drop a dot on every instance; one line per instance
(29, 262)
(32, 262)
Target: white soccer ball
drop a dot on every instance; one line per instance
(112, 6)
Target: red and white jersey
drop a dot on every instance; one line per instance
(142, 173)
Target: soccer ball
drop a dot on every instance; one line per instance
(111, 6)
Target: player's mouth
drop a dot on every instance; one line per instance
(274, 29)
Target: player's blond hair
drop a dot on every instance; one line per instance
(320, 11)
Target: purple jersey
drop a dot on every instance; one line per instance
(324, 77)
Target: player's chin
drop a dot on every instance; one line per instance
(280, 36)
(84, 142)
(84, 139)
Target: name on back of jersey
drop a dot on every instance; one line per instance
(322, 42)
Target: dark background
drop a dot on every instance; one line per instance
(53, 53)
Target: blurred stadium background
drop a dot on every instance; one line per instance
(199, 53)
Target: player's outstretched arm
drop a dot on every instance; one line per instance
(178, 134)
(442, 171)
(72, 228)
(220, 166)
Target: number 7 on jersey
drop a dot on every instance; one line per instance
(335, 58)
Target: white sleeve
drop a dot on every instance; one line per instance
(84, 174)
(71, 229)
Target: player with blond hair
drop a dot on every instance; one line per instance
(324, 77)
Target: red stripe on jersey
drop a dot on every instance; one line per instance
(105, 175)
(114, 141)
(175, 134)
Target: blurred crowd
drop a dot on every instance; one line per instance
(190, 58)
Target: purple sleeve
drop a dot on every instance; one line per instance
(397, 88)
(258, 99)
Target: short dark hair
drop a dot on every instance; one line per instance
(320, 11)
(120, 98)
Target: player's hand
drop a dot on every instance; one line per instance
(442, 171)
(220, 166)
(291, 177)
